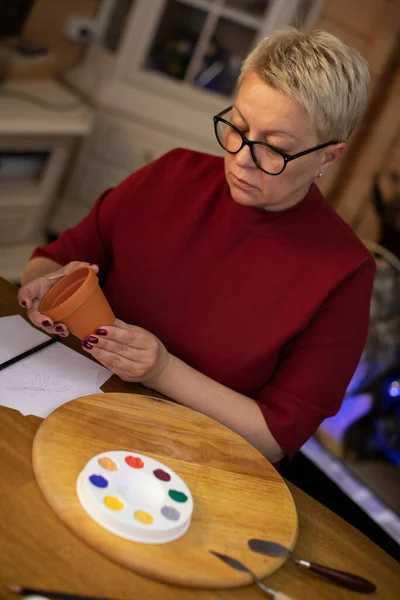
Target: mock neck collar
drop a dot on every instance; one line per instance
(256, 218)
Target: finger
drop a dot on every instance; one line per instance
(22, 297)
(57, 274)
(37, 317)
(45, 322)
(40, 286)
(128, 370)
(56, 329)
(127, 334)
(33, 290)
(60, 329)
(116, 347)
(69, 268)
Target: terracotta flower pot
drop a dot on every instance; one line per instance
(78, 301)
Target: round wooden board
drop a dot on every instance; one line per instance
(237, 493)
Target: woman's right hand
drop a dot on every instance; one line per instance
(30, 295)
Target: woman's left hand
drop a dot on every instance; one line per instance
(130, 352)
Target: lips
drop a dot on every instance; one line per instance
(241, 182)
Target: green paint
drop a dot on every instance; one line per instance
(177, 496)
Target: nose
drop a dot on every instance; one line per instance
(244, 159)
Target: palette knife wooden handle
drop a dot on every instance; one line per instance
(347, 580)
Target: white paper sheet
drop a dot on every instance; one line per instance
(46, 380)
(17, 336)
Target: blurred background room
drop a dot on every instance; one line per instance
(92, 90)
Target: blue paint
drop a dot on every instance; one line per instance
(98, 481)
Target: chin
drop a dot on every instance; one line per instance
(245, 197)
(254, 200)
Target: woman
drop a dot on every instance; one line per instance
(240, 293)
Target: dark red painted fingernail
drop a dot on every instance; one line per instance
(101, 331)
(63, 334)
(92, 339)
(24, 304)
(46, 324)
(86, 345)
(59, 328)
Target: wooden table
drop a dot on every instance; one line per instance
(38, 551)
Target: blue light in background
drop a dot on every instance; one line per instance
(394, 389)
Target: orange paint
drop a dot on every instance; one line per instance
(108, 464)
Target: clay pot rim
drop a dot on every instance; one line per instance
(71, 304)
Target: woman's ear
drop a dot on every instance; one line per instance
(330, 155)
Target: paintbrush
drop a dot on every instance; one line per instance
(24, 591)
(27, 353)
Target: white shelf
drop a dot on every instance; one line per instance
(17, 194)
(35, 116)
(42, 108)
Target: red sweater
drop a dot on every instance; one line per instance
(273, 305)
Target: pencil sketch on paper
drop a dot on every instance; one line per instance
(35, 383)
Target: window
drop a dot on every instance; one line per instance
(202, 43)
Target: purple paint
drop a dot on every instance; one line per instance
(98, 481)
(161, 474)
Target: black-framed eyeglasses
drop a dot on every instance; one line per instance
(269, 159)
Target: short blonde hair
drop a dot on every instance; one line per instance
(317, 70)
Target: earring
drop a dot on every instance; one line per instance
(320, 174)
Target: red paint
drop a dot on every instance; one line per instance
(135, 462)
(163, 475)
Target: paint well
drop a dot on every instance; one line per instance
(134, 461)
(144, 517)
(140, 489)
(136, 503)
(161, 474)
(113, 502)
(169, 512)
(177, 496)
(108, 464)
(98, 481)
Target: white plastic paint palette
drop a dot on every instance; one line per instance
(135, 497)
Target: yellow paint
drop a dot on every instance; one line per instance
(113, 503)
(108, 464)
(143, 517)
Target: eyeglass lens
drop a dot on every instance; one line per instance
(231, 141)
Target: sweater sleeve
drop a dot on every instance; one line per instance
(315, 368)
(91, 239)
(84, 241)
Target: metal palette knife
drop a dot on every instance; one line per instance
(239, 566)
